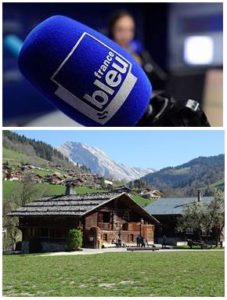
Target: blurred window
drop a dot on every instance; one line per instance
(198, 50)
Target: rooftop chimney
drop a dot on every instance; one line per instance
(199, 196)
(69, 188)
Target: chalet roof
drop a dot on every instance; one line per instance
(173, 206)
(63, 205)
(121, 188)
(72, 205)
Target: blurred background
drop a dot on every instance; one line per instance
(180, 47)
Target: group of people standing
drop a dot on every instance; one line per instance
(141, 241)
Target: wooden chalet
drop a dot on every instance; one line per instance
(151, 194)
(108, 184)
(103, 219)
(16, 176)
(54, 179)
(36, 178)
(27, 166)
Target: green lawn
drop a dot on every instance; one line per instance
(140, 200)
(188, 274)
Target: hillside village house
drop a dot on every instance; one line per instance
(150, 194)
(54, 179)
(103, 218)
(16, 176)
(167, 211)
(28, 166)
(108, 184)
(36, 177)
(6, 171)
(122, 189)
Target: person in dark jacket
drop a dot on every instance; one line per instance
(164, 240)
(138, 241)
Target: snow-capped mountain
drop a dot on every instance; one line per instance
(100, 163)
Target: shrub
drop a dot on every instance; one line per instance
(74, 239)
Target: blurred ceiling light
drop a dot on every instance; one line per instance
(198, 50)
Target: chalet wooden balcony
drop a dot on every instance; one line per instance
(105, 226)
(131, 226)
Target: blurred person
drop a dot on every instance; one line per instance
(122, 29)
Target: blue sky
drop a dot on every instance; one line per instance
(141, 148)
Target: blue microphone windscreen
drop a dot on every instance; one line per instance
(86, 75)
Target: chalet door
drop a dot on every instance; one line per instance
(148, 232)
(95, 237)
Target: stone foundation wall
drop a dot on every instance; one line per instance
(25, 247)
(53, 246)
(45, 246)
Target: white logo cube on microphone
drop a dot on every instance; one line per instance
(94, 79)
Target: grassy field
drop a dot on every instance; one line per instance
(14, 158)
(196, 273)
(140, 200)
(49, 189)
(218, 184)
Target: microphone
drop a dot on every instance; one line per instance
(84, 74)
(94, 81)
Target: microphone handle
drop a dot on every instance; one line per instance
(165, 111)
